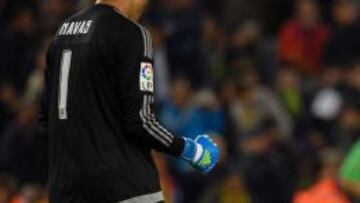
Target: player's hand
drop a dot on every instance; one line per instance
(202, 153)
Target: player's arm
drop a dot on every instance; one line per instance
(139, 117)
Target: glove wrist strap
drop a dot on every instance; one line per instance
(192, 151)
(198, 153)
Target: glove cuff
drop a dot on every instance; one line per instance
(198, 153)
(192, 151)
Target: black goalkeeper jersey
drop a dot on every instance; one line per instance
(97, 109)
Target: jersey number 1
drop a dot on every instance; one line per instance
(64, 82)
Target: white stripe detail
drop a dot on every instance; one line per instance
(155, 122)
(198, 153)
(149, 198)
(148, 52)
(145, 39)
(152, 132)
(146, 127)
(148, 120)
(149, 40)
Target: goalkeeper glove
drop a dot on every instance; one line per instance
(202, 153)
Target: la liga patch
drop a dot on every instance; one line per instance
(146, 77)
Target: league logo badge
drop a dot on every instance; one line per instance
(146, 77)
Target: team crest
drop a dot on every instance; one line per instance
(146, 77)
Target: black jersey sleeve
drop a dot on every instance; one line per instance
(136, 77)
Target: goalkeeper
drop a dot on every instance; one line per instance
(97, 109)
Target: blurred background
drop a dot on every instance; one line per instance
(275, 82)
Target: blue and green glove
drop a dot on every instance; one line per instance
(202, 153)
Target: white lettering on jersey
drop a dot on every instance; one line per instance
(70, 29)
(87, 27)
(81, 29)
(63, 28)
(75, 27)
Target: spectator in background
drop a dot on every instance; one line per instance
(53, 12)
(8, 186)
(326, 104)
(214, 39)
(348, 128)
(302, 40)
(307, 162)
(185, 44)
(266, 171)
(35, 82)
(30, 193)
(180, 114)
(230, 189)
(161, 63)
(242, 43)
(9, 101)
(349, 172)
(319, 126)
(229, 97)
(292, 96)
(255, 103)
(348, 124)
(23, 150)
(351, 86)
(344, 43)
(290, 91)
(213, 113)
(270, 13)
(17, 48)
(238, 11)
(246, 43)
(326, 189)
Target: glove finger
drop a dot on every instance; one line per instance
(204, 140)
(210, 168)
(215, 159)
(201, 137)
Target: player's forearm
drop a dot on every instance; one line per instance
(162, 139)
(202, 153)
(175, 149)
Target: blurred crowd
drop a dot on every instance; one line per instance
(275, 82)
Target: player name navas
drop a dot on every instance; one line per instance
(75, 28)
